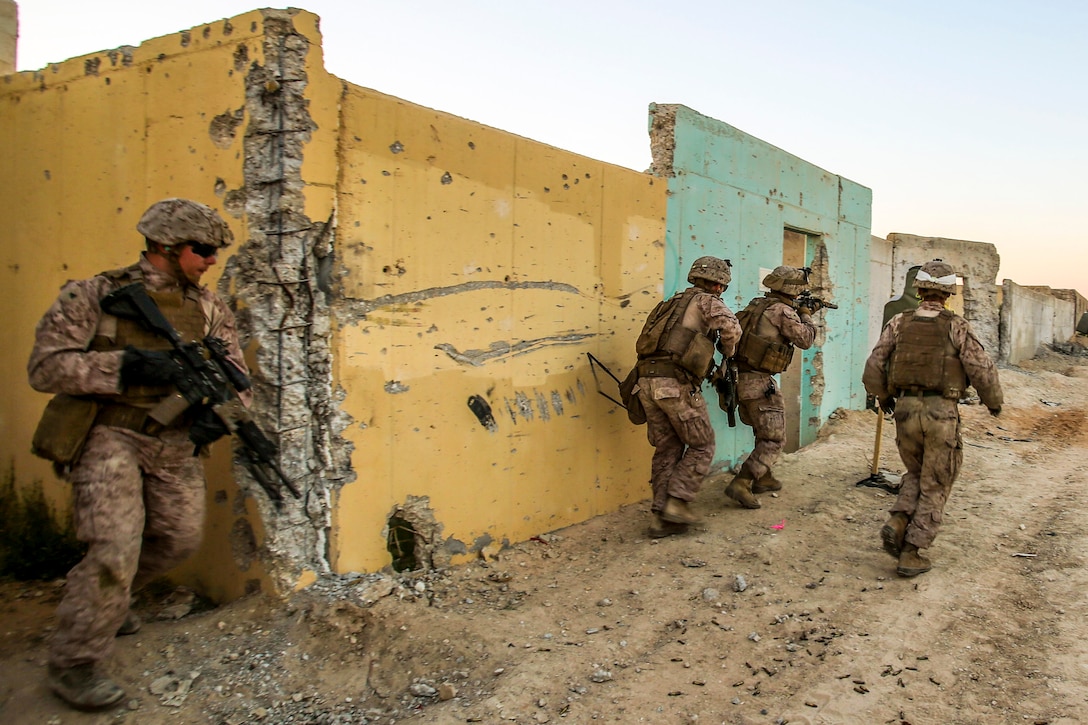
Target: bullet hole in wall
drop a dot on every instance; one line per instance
(482, 410)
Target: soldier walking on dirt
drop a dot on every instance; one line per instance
(920, 368)
(773, 325)
(137, 486)
(676, 353)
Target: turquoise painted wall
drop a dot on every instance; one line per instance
(732, 195)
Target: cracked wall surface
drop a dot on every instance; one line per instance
(1032, 317)
(277, 276)
(416, 293)
(732, 195)
(474, 271)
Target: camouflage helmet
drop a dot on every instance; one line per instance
(787, 280)
(711, 269)
(936, 274)
(171, 222)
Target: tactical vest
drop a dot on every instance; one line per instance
(664, 338)
(760, 348)
(181, 308)
(925, 359)
(68, 419)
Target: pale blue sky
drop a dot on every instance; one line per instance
(966, 119)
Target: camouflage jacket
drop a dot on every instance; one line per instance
(61, 361)
(980, 369)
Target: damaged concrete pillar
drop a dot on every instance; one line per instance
(284, 318)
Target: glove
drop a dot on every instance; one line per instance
(996, 411)
(888, 405)
(207, 428)
(149, 367)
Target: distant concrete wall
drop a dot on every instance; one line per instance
(976, 262)
(881, 285)
(1080, 303)
(1031, 318)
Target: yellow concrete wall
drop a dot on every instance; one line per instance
(476, 262)
(9, 35)
(468, 262)
(88, 145)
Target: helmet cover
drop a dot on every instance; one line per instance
(711, 269)
(787, 280)
(172, 222)
(936, 274)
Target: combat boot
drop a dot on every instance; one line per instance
(677, 512)
(83, 688)
(911, 563)
(131, 625)
(660, 528)
(766, 483)
(892, 533)
(740, 490)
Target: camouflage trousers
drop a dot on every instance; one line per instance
(927, 433)
(678, 427)
(138, 503)
(765, 413)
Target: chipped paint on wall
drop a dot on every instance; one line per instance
(732, 195)
(403, 279)
(254, 95)
(477, 268)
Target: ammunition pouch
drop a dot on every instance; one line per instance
(694, 351)
(765, 356)
(63, 428)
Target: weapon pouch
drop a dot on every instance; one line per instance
(757, 349)
(635, 412)
(64, 428)
(766, 355)
(696, 351)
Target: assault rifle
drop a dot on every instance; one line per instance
(213, 381)
(814, 304)
(724, 379)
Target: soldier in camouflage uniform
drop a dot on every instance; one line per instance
(676, 352)
(920, 368)
(137, 487)
(773, 326)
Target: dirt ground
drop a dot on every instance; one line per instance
(789, 614)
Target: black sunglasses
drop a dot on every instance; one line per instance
(203, 250)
